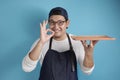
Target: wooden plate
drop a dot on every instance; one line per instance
(95, 37)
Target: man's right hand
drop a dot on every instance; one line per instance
(44, 37)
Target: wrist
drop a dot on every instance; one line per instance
(88, 54)
(40, 42)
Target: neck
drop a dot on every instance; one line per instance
(61, 37)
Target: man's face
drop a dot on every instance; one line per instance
(58, 24)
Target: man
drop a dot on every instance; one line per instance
(57, 52)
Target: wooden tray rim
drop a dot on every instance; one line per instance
(93, 37)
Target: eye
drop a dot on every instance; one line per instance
(60, 22)
(51, 22)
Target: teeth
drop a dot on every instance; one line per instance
(56, 30)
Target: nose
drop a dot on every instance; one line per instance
(56, 25)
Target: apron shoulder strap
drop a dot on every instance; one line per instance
(71, 48)
(50, 44)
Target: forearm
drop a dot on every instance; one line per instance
(34, 54)
(88, 60)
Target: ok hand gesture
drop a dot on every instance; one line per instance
(44, 36)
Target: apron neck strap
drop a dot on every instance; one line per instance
(50, 44)
(71, 48)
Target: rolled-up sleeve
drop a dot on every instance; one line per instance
(29, 65)
(86, 70)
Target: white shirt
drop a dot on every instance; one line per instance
(29, 65)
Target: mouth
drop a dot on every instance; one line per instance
(56, 31)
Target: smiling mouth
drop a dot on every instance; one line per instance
(56, 31)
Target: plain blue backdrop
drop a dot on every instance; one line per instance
(19, 28)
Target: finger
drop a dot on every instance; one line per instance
(91, 43)
(40, 25)
(94, 42)
(45, 22)
(73, 38)
(84, 43)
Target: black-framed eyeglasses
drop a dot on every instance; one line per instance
(59, 22)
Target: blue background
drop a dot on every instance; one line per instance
(19, 28)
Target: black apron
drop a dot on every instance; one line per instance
(59, 65)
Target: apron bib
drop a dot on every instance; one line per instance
(59, 65)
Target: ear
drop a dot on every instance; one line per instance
(67, 24)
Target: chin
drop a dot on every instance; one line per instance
(57, 35)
